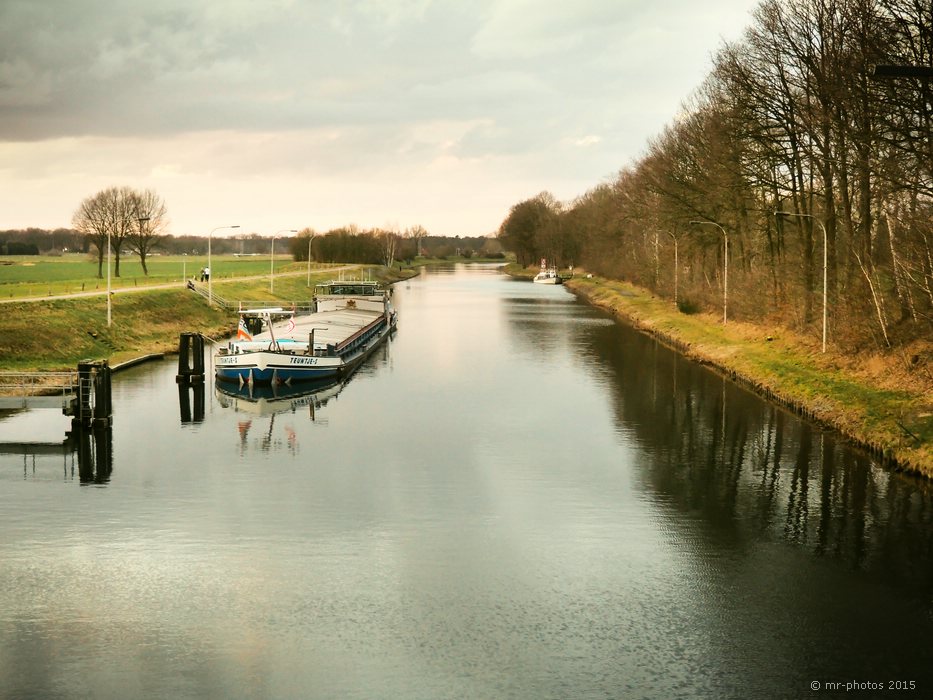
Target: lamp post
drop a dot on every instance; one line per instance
(272, 257)
(825, 259)
(676, 266)
(309, 259)
(210, 272)
(725, 264)
(108, 279)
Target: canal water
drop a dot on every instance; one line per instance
(516, 497)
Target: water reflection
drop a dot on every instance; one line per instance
(269, 400)
(260, 402)
(753, 470)
(91, 450)
(95, 455)
(186, 391)
(523, 499)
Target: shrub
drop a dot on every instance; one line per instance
(688, 306)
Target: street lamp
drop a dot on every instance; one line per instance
(725, 264)
(676, 265)
(272, 257)
(309, 258)
(825, 260)
(210, 272)
(108, 278)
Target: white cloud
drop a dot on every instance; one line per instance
(588, 140)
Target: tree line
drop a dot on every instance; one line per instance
(790, 170)
(377, 246)
(135, 222)
(33, 241)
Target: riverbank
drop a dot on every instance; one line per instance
(56, 334)
(883, 403)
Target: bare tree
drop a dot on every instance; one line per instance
(418, 233)
(113, 216)
(389, 245)
(151, 220)
(92, 219)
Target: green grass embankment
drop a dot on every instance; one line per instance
(891, 419)
(57, 334)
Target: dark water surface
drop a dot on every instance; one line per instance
(515, 498)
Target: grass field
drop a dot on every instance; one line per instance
(38, 275)
(29, 276)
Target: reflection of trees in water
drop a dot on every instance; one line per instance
(754, 470)
(548, 324)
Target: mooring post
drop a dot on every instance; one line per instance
(184, 355)
(197, 348)
(190, 358)
(93, 406)
(103, 408)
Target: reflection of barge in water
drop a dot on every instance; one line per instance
(265, 400)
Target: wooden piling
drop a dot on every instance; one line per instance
(93, 407)
(103, 407)
(190, 358)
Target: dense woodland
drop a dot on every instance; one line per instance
(789, 120)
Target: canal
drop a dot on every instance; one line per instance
(516, 497)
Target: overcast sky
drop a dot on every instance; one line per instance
(281, 114)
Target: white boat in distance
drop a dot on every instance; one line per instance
(276, 346)
(548, 275)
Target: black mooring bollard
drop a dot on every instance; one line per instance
(184, 355)
(103, 408)
(190, 358)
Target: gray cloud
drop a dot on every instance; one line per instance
(555, 95)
